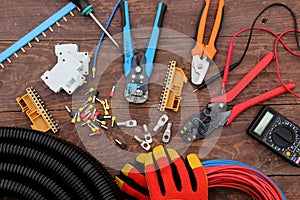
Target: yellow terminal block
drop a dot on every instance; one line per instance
(32, 105)
(171, 93)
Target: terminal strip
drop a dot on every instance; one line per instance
(171, 93)
(33, 106)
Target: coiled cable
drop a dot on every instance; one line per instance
(243, 177)
(39, 166)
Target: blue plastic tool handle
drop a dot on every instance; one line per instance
(127, 40)
(152, 45)
(37, 31)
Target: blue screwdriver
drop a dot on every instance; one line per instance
(86, 9)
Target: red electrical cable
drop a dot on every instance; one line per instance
(277, 62)
(242, 179)
(247, 180)
(278, 38)
(242, 188)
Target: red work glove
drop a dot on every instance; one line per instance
(167, 176)
(132, 182)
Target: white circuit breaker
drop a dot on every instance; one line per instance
(70, 71)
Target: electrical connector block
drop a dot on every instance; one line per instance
(33, 106)
(171, 93)
(70, 71)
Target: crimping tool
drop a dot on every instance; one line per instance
(215, 115)
(137, 75)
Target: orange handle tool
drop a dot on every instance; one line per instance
(211, 49)
(208, 50)
(199, 47)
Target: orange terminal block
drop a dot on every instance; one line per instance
(171, 94)
(32, 105)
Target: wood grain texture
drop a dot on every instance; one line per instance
(176, 41)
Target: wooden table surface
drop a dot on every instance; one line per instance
(18, 17)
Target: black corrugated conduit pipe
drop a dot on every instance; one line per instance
(35, 165)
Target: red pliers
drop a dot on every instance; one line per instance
(216, 115)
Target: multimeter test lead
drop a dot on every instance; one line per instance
(86, 9)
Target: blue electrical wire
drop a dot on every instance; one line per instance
(222, 162)
(102, 37)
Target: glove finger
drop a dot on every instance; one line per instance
(129, 190)
(131, 172)
(181, 171)
(165, 170)
(151, 176)
(140, 162)
(199, 174)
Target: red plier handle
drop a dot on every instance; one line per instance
(237, 109)
(238, 88)
(231, 94)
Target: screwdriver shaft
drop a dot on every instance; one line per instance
(104, 30)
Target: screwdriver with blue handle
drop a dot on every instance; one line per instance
(86, 9)
(138, 75)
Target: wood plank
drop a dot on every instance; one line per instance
(224, 143)
(237, 16)
(110, 72)
(180, 23)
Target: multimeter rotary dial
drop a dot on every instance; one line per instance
(283, 136)
(278, 133)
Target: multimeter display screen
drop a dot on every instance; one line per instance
(263, 123)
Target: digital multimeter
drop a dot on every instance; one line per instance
(278, 133)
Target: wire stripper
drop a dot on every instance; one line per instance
(138, 75)
(203, 54)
